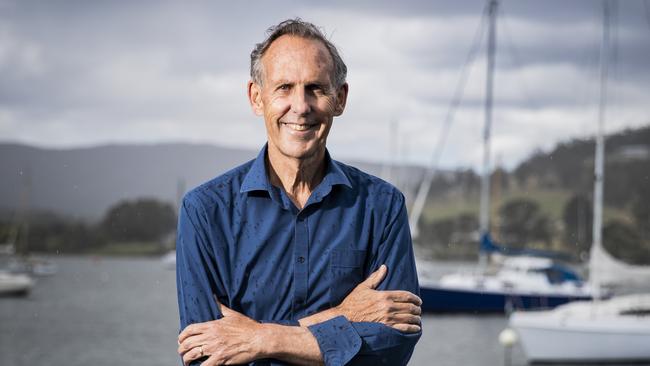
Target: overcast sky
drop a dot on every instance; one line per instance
(82, 73)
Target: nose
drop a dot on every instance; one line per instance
(300, 101)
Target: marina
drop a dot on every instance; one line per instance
(94, 312)
(530, 223)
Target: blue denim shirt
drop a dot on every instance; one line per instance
(243, 240)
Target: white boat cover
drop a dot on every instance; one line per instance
(609, 271)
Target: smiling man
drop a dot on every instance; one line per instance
(294, 257)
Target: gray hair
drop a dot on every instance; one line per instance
(299, 28)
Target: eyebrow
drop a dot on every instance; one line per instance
(322, 83)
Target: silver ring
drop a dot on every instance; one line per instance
(201, 350)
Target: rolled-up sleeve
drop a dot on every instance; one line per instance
(363, 343)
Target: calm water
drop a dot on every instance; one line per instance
(123, 312)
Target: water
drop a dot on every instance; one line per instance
(93, 312)
(123, 312)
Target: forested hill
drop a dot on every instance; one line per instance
(546, 201)
(570, 166)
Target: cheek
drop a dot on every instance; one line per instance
(276, 107)
(329, 105)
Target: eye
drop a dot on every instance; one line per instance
(284, 87)
(314, 87)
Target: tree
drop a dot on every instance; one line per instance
(624, 242)
(438, 232)
(140, 220)
(522, 222)
(451, 237)
(641, 211)
(578, 221)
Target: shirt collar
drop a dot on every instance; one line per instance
(257, 178)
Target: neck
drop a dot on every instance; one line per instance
(298, 177)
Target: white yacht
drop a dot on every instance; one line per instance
(15, 284)
(614, 330)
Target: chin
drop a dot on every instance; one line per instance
(300, 152)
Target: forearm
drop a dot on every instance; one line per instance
(295, 345)
(321, 317)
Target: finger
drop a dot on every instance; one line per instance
(212, 361)
(190, 330)
(376, 277)
(191, 342)
(405, 308)
(407, 328)
(193, 354)
(403, 296)
(405, 319)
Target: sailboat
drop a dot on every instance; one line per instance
(617, 329)
(12, 284)
(527, 280)
(16, 250)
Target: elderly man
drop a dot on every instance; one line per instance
(294, 257)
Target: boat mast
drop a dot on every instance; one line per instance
(484, 218)
(599, 161)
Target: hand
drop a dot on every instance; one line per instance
(397, 309)
(233, 339)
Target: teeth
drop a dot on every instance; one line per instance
(297, 127)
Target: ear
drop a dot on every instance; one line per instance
(255, 98)
(341, 99)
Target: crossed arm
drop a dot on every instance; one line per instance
(236, 339)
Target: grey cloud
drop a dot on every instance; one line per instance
(157, 70)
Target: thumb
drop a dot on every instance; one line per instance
(225, 311)
(376, 277)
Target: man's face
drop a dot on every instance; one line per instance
(297, 99)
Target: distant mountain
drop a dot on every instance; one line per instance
(84, 182)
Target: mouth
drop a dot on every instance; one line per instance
(299, 126)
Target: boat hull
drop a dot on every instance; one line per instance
(614, 330)
(440, 299)
(575, 345)
(15, 284)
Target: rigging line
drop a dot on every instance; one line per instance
(587, 62)
(425, 185)
(647, 12)
(515, 56)
(614, 73)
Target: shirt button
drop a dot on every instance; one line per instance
(301, 259)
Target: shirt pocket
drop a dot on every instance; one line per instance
(346, 271)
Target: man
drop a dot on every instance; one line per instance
(273, 254)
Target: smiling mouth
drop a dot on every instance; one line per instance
(299, 127)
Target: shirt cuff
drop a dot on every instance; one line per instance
(337, 339)
(291, 323)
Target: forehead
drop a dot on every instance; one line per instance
(296, 57)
